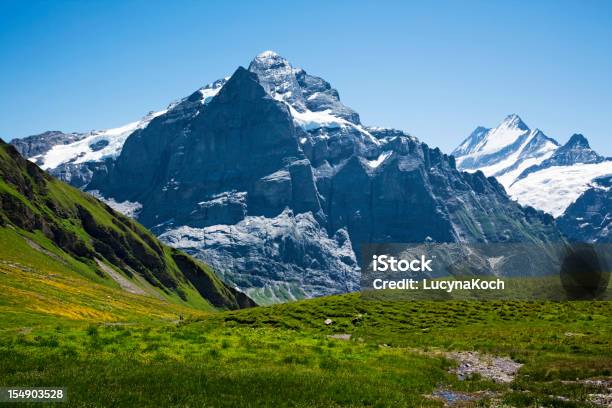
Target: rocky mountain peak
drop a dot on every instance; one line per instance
(547, 188)
(513, 121)
(303, 92)
(577, 150)
(242, 83)
(268, 58)
(578, 141)
(278, 78)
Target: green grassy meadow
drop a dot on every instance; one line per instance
(283, 356)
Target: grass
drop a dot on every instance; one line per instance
(65, 325)
(282, 355)
(36, 286)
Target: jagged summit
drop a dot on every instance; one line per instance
(504, 151)
(575, 151)
(269, 59)
(267, 54)
(313, 99)
(514, 121)
(278, 78)
(578, 140)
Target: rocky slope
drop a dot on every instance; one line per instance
(589, 218)
(277, 184)
(62, 223)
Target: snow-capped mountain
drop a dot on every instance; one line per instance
(534, 169)
(506, 151)
(558, 181)
(270, 178)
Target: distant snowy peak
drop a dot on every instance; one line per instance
(578, 150)
(575, 151)
(578, 141)
(513, 121)
(504, 151)
(532, 167)
(489, 146)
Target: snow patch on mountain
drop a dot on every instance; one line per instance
(211, 90)
(309, 120)
(127, 208)
(94, 146)
(379, 160)
(553, 189)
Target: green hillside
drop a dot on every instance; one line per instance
(64, 253)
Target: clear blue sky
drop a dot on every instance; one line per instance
(434, 69)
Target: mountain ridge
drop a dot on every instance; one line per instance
(276, 183)
(515, 147)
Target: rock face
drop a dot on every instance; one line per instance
(39, 144)
(276, 183)
(286, 257)
(589, 218)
